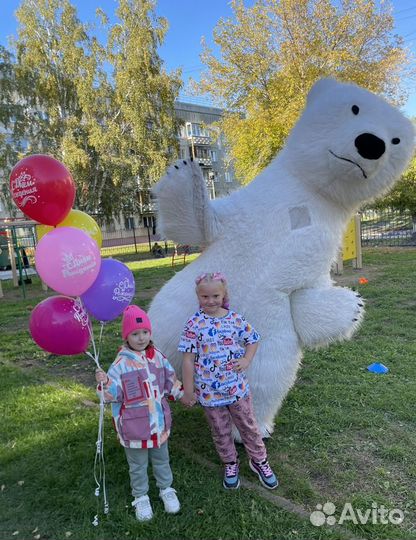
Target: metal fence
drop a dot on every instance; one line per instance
(21, 237)
(18, 242)
(387, 227)
(129, 241)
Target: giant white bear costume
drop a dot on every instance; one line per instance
(276, 238)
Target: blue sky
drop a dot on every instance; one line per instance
(189, 20)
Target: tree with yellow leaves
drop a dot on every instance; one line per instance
(272, 53)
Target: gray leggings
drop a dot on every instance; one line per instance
(138, 459)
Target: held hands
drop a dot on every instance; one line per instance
(188, 399)
(241, 364)
(101, 376)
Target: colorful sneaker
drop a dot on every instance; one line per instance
(143, 508)
(170, 500)
(265, 473)
(231, 479)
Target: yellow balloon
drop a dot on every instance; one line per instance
(79, 220)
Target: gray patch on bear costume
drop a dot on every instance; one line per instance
(299, 217)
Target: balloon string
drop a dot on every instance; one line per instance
(101, 336)
(96, 353)
(99, 461)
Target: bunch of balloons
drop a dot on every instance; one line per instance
(67, 259)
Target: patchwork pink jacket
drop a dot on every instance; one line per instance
(138, 385)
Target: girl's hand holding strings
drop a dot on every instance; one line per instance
(101, 376)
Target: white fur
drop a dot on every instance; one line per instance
(276, 238)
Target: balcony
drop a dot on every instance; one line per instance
(200, 140)
(147, 208)
(204, 162)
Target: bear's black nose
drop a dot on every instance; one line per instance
(369, 146)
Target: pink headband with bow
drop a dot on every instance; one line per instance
(214, 276)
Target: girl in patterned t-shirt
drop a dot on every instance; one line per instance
(218, 346)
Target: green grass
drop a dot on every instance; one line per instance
(342, 435)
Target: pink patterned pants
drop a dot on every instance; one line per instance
(241, 414)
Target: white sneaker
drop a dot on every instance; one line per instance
(143, 508)
(170, 500)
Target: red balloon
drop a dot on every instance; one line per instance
(43, 188)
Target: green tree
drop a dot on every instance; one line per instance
(272, 53)
(403, 196)
(9, 113)
(136, 137)
(53, 56)
(105, 110)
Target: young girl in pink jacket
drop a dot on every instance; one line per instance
(137, 385)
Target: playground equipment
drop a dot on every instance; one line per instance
(351, 246)
(180, 252)
(17, 245)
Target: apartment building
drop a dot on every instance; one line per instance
(198, 138)
(201, 140)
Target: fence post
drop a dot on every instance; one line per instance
(12, 257)
(148, 236)
(338, 265)
(134, 236)
(358, 261)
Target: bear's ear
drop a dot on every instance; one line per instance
(322, 87)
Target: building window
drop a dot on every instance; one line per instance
(129, 223)
(183, 152)
(228, 177)
(196, 130)
(149, 222)
(201, 152)
(209, 180)
(214, 155)
(201, 130)
(210, 177)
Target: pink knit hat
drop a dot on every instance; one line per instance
(134, 318)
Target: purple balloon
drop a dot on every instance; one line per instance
(60, 325)
(111, 292)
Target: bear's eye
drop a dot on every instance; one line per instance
(396, 140)
(355, 109)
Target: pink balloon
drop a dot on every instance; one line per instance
(68, 260)
(59, 325)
